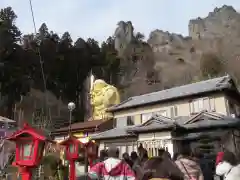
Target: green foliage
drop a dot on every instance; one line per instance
(14, 72)
(210, 65)
(51, 161)
(66, 64)
(51, 164)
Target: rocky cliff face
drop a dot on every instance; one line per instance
(221, 22)
(174, 59)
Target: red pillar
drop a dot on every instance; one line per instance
(72, 170)
(26, 173)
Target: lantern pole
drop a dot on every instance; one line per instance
(71, 107)
(26, 173)
(72, 175)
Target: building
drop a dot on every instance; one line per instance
(177, 105)
(83, 129)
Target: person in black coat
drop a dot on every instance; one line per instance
(127, 159)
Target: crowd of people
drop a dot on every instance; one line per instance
(183, 166)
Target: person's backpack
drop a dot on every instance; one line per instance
(189, 176)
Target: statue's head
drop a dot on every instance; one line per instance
(99, 84)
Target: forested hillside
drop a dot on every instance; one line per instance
(65, 63)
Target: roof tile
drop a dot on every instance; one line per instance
(176, 92)
(81, 125)
(112, 133)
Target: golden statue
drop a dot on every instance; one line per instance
(103, 96)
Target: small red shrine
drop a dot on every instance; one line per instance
(30, 144)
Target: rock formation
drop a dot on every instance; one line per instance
(171, 59)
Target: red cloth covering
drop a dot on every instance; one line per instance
(112, 169)
(219, 157)
(91, 162)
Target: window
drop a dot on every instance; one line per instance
(206, 103)
(146, 116)
(162, 113)
(202, 104)
(130, 121)
(174, 111)
(196, 106)
(121, 122)
(212, 104)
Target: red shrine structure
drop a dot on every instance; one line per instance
(30, 144)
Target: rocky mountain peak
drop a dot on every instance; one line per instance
(224, 9)
(217, 24)
(159, 37)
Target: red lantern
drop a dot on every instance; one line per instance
(92, 149)
(74, 150)
(92, 152)
(29, 149)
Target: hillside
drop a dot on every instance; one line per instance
(175, 60)
(135, 67)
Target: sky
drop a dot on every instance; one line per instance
(98, 18)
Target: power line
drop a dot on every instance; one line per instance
(33, 19)
(41, 63)
(38, 49)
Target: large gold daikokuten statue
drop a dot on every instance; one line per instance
(103, 96)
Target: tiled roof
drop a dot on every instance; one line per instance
(113, 133)
(210, 85)
(202, 120)
(201, 135)
(157, 122)
(210, 123)
(6, 120)
(81, 125)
